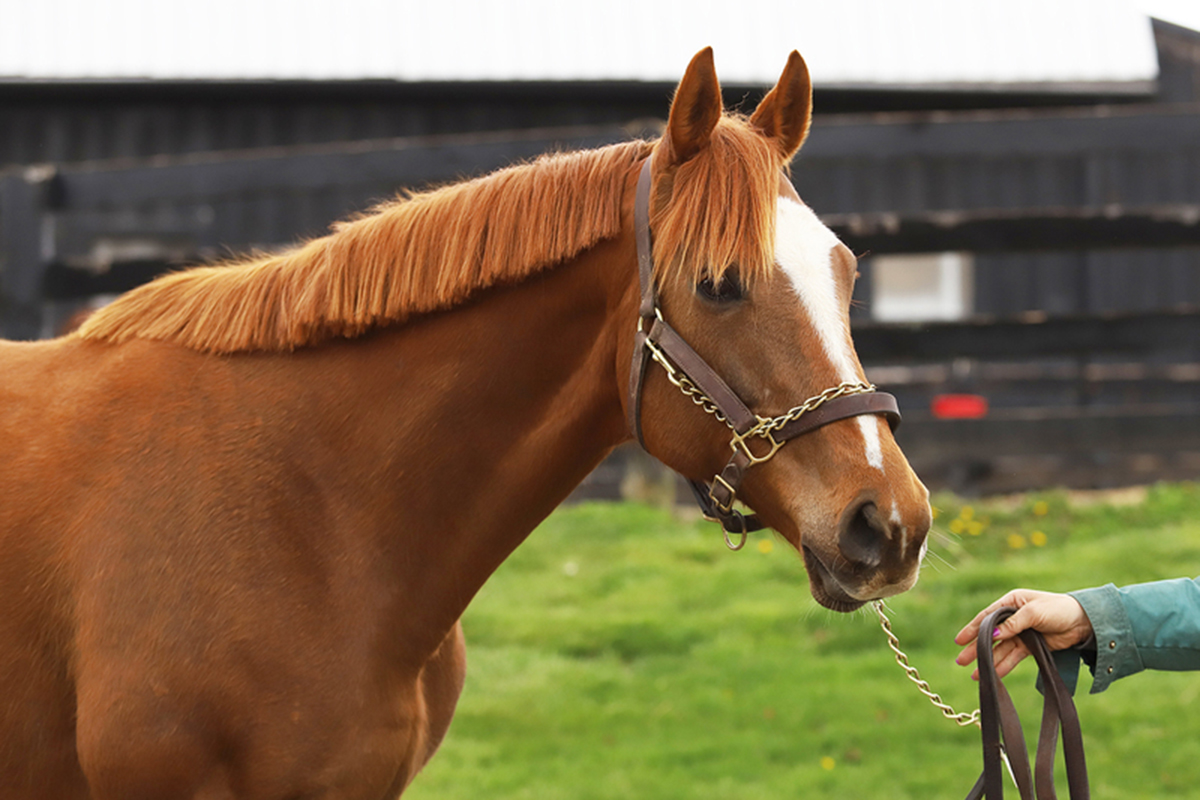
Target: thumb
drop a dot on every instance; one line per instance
(1022, 619)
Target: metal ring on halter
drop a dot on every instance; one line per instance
(742, 542)
(642, 322)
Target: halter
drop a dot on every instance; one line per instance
(755, 439)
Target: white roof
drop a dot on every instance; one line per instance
(846, 42)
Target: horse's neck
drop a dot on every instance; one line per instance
(469, 427)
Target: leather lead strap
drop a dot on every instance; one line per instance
(1002, 728)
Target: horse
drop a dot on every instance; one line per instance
(246, 504)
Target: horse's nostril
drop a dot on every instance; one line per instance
(862, 538)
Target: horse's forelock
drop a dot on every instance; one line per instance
(721, 212)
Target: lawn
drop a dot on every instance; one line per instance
(622, 652)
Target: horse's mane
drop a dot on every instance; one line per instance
(432, 250)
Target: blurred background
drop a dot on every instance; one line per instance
(1021, 179)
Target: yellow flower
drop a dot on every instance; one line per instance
(957, 526)
(974, 527)
(827, 763)
(967, 513)
(1016, 541)
(1038, 539)
(934, 510)
(765, 545)
(1041, 508)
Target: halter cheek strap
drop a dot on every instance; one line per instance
(755, 439)
(648, 305)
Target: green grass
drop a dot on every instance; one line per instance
(622, 652)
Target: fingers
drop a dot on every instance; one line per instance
(1027, 616)
(1005, 655)
(971, 632)
(969, 635)
(969, 654)
(1058, 617)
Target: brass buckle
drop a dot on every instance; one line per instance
(738, 442)
(724, 509)
(727, 513)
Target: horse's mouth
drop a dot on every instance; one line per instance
(825, 588)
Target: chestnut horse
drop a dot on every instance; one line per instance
(245, 505)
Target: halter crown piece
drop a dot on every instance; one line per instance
(755, 439)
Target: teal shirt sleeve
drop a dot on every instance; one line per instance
(1143, 626)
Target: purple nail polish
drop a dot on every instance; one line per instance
(996, 633)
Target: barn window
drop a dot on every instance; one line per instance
(922, 286)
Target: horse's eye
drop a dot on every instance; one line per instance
(727, 290)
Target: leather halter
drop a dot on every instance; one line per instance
(686, 369)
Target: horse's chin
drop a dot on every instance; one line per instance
(825, 588)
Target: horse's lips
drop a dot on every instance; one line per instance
(825, 588)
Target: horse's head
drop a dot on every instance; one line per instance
(760, 289)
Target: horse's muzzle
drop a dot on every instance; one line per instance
(870, 559)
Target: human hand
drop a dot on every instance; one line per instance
(1058, 617)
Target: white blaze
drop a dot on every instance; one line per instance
(804, 248)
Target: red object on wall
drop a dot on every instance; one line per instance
(959, 406)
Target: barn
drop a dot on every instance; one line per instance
(1022, 183)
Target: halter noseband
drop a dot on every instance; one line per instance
(692, 375)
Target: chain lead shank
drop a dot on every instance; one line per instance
(948, 712)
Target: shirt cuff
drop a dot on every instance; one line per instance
(1116, 655)
(1067, 664)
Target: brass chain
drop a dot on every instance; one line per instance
(765, 425)
(679, 379)
(948, 712)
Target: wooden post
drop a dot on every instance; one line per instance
(24, 205)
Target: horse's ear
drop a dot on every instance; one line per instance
(785, 113)
(695, 109)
